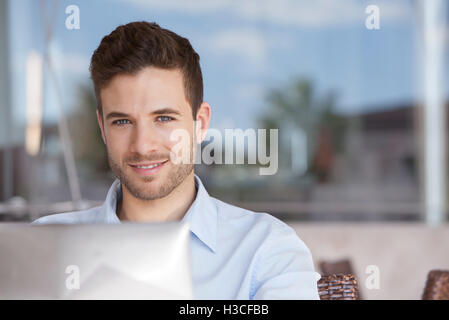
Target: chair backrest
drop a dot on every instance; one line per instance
(437, 285)
(336, 266)
(338, 287)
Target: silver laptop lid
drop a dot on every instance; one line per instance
(100, 261)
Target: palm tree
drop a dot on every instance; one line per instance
(298, 106)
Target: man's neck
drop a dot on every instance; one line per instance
(173, 207)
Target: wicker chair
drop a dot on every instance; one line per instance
(437, 285)
(338, 287)
(334, 267)
(342, 266)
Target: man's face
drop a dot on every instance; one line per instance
(140, 112)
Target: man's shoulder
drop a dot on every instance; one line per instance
(238, 216)
(91, 215)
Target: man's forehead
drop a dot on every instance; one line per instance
(149, 90)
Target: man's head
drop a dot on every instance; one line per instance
(148, 83)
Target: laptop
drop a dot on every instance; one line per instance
(95, 261)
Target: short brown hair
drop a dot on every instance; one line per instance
(133, 46)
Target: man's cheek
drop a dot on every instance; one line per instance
(179, 145)
(180, 153)
(116, 151)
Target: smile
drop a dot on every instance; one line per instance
(147, 169)
(150, 166)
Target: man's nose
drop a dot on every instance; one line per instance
(144, 140)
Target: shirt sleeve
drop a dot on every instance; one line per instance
(285, 269)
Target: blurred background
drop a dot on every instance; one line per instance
(358, 94)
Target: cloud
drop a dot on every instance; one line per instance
(250, 91)
(245, 43)
(190, 6)
(250, 45)
(319, 13)
(302, 13)
(75, 63)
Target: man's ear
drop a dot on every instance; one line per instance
(100, 123)
(203, 121)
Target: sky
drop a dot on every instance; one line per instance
(246, 47)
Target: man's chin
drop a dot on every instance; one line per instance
(154, 186)
(145, 190)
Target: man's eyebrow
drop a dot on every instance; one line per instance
(166, 111)
(115, 114)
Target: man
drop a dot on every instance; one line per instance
(148, 83)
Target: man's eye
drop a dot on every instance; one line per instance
(164, 118)
(120, 122)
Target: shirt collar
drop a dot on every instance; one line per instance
(202, 215)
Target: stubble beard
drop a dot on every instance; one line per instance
(137, 185)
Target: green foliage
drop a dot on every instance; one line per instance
(298, 106)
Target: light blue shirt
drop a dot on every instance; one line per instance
(235, 253)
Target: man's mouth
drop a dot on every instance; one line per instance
(148, 167)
